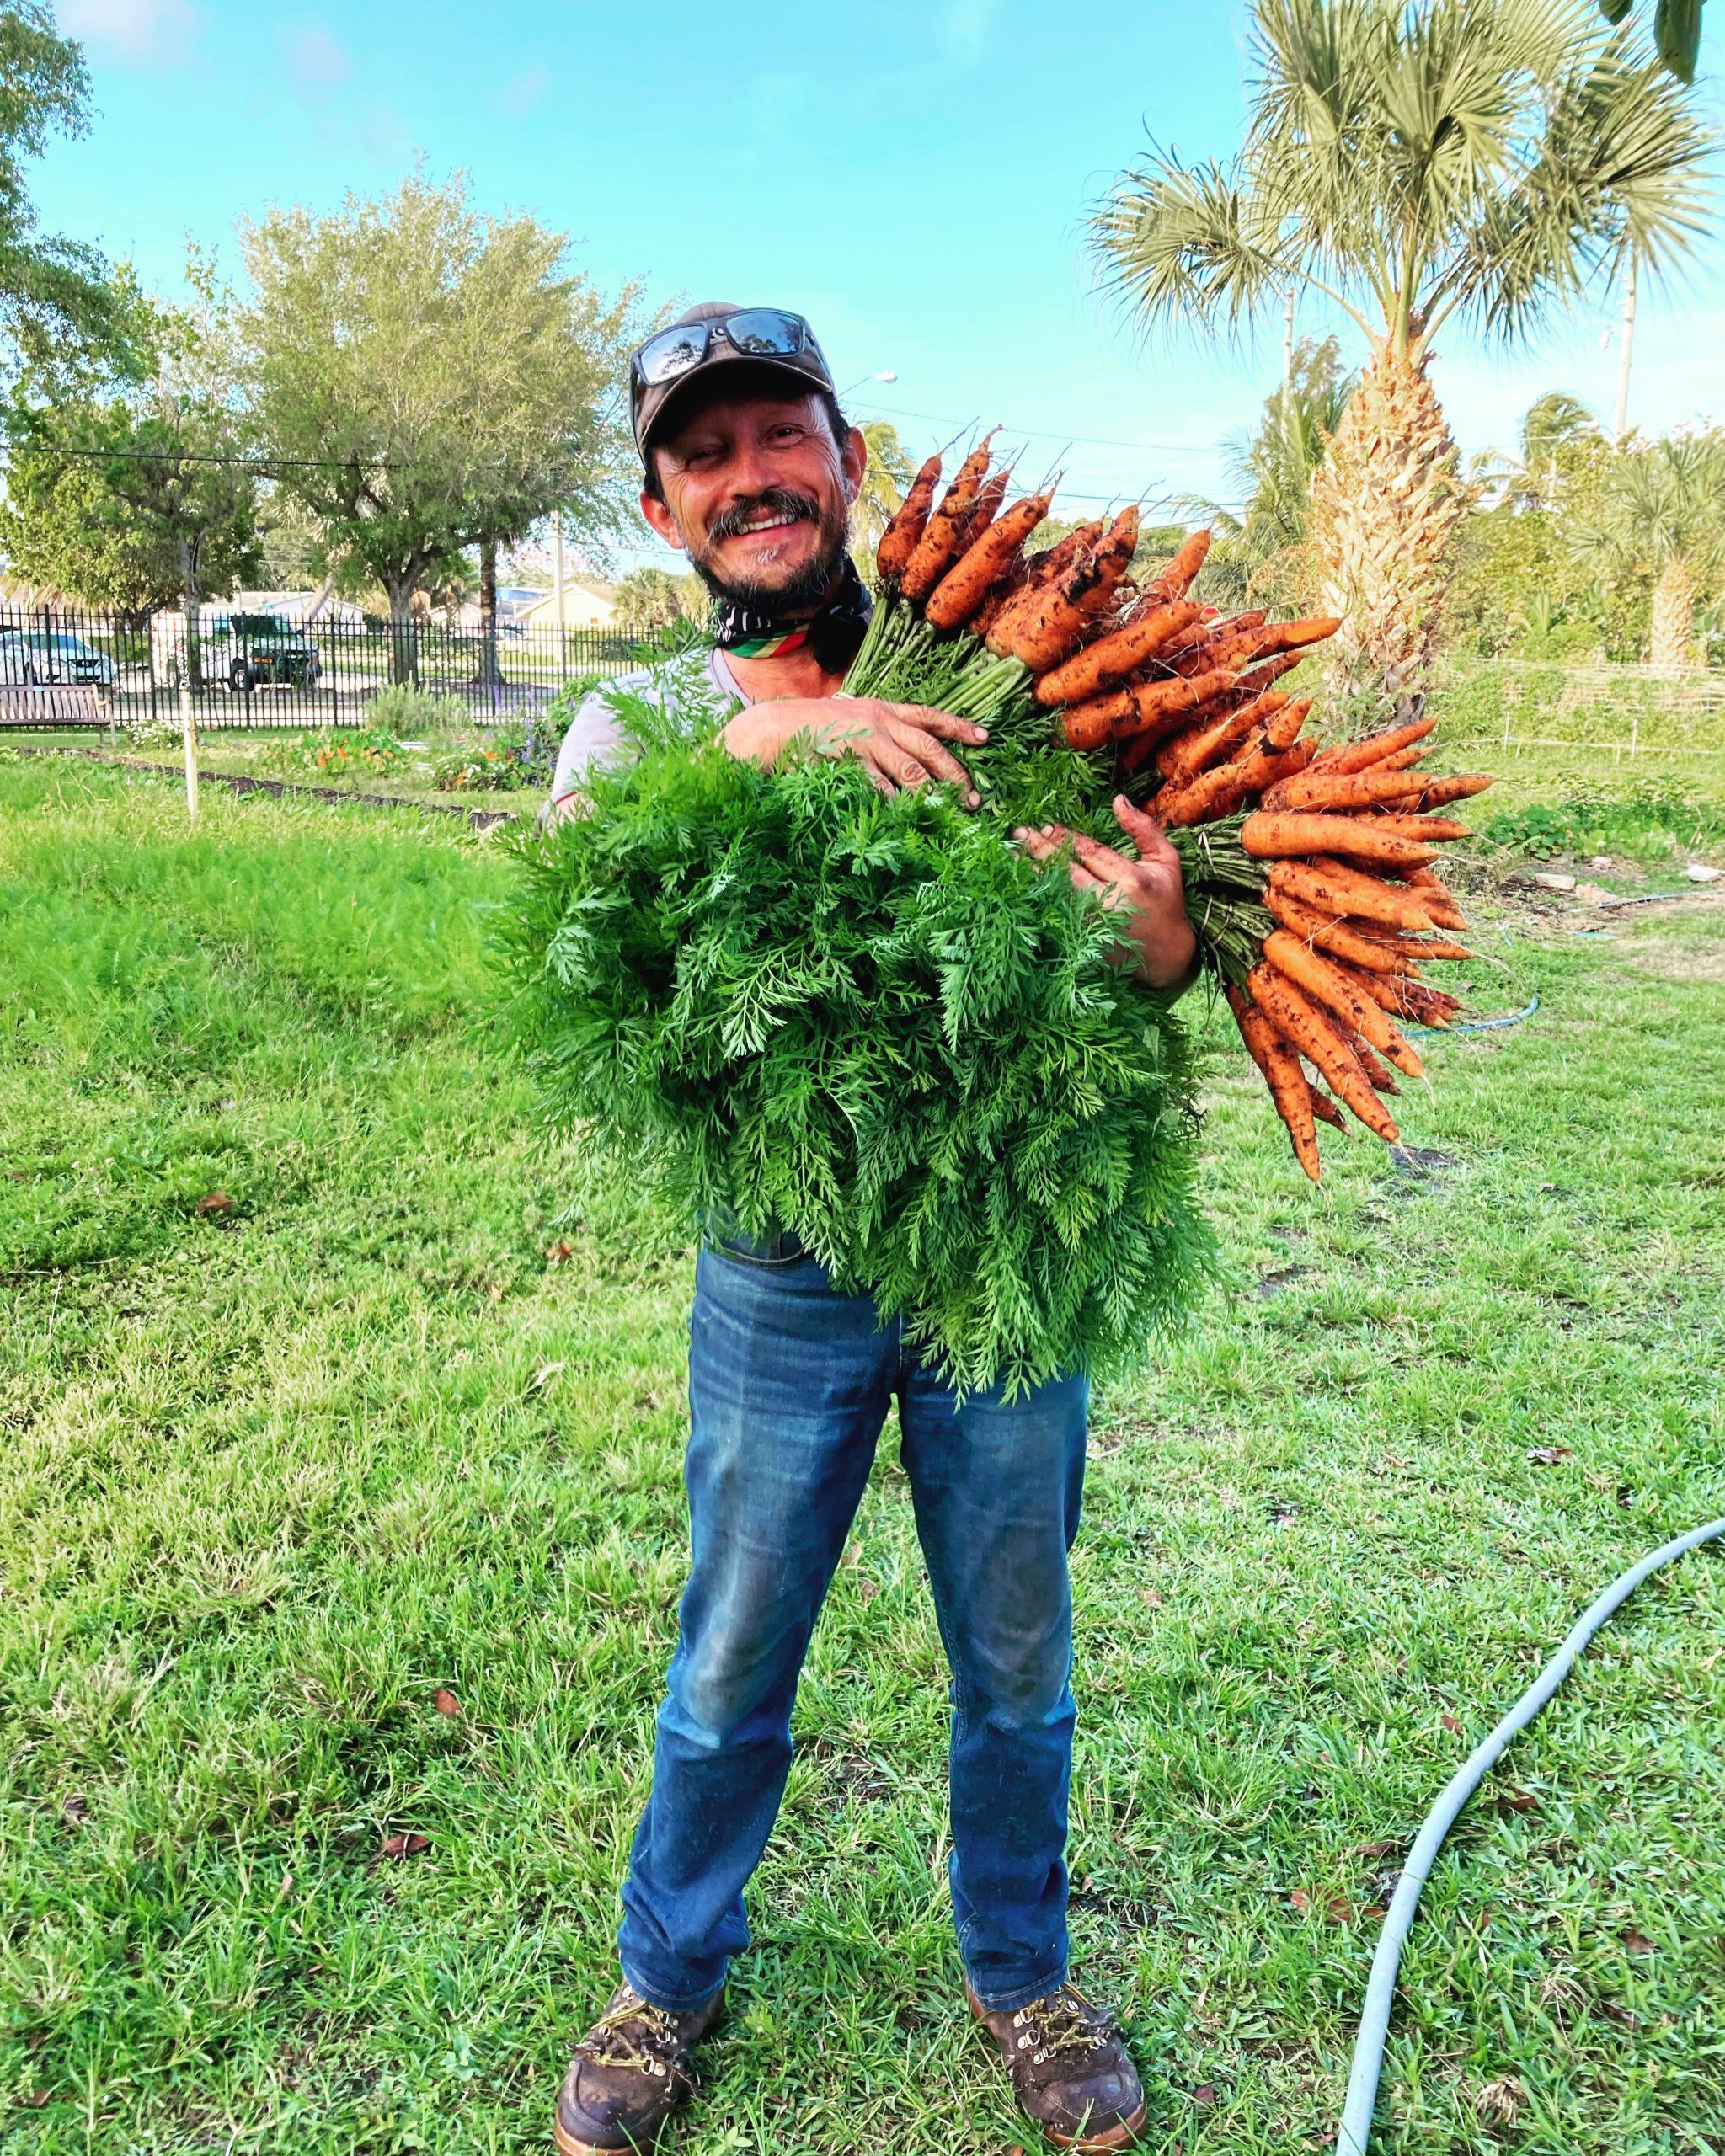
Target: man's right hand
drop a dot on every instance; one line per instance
(897, 745)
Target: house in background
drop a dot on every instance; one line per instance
(587, 604)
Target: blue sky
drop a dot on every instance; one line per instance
(912, 174)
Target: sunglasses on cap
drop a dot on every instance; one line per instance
(763, 333)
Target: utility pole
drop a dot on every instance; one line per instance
(561, 618)
(1627, 334)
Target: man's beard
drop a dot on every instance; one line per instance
(805, 590)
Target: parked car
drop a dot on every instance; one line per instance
(269, 652)
(43, 657)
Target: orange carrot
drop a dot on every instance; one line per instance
(1306, 1027)
(1361, 755)
(1058, 618)
(1215, 738)
(1412, 999)
(1330, 982)
(1339, 937)
(1334, 888)
(1269, 836)
(1246, 641)
(1174, 581)
(1415, 950)
(1378, 1073)
(1101, 664)
(944, 533)
(1282, 1074)
(1429, 890)
(1323, 1107)
(1438, 792)
(1041, 571)
(1431, 1006)
(1040, 633)
(1128, 711)
(989, 496)
(1053, 561)
(962, 591)
(1319, 789)
(1257, 679)
(1000, 597)
(1264, 758)
(1430, 830)
(898, 542)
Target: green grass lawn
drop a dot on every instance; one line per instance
(381, 1425)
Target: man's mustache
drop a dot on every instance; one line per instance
(781, 501)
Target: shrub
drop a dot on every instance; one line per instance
(496, 762)
(152, 730)
(330, 754)
(1652, 816)
(401, 709)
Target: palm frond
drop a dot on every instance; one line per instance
(1620, 166)
(1187, 245)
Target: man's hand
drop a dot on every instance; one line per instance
(1149, 891)
(897, 745)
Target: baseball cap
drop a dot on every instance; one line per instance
(767, 339)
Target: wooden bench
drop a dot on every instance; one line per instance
(66, 706)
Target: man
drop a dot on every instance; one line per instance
(751, 469)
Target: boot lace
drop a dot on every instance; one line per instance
(641, 2037)
(1063, 2025)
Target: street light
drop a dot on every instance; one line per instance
(886, 373)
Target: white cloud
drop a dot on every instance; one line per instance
(523, 93)
(319, 62)
(152, 32)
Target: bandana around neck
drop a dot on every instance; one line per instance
(833, 635)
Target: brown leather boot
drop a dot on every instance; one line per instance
(1069, 2070)
(629, 2072)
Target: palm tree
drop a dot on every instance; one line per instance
(1260, 554)
(1664, 514)
(888, 473)
(1552, 425)
(1411, 160)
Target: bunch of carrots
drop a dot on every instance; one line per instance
(1309, 869)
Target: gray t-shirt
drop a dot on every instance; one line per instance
(594, 737)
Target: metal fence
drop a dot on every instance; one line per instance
(65, 668)
(1627, 712)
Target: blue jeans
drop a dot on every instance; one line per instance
(789, 1384)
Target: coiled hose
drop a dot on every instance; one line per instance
(1355, 2129)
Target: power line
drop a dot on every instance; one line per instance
(266, 465)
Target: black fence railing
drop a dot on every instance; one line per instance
(60, 668)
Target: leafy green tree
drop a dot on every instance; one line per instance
(1477, 160)
(160, 464)
(1261, 555)
(62, 526)
(426, 380)
(1663, 514)
(53, 291)
(651, 598)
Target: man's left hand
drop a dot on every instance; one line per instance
(1150, 891)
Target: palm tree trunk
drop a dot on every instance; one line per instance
(1385, 503)
(1674, 618)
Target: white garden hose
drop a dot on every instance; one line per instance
(1356, 2128)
